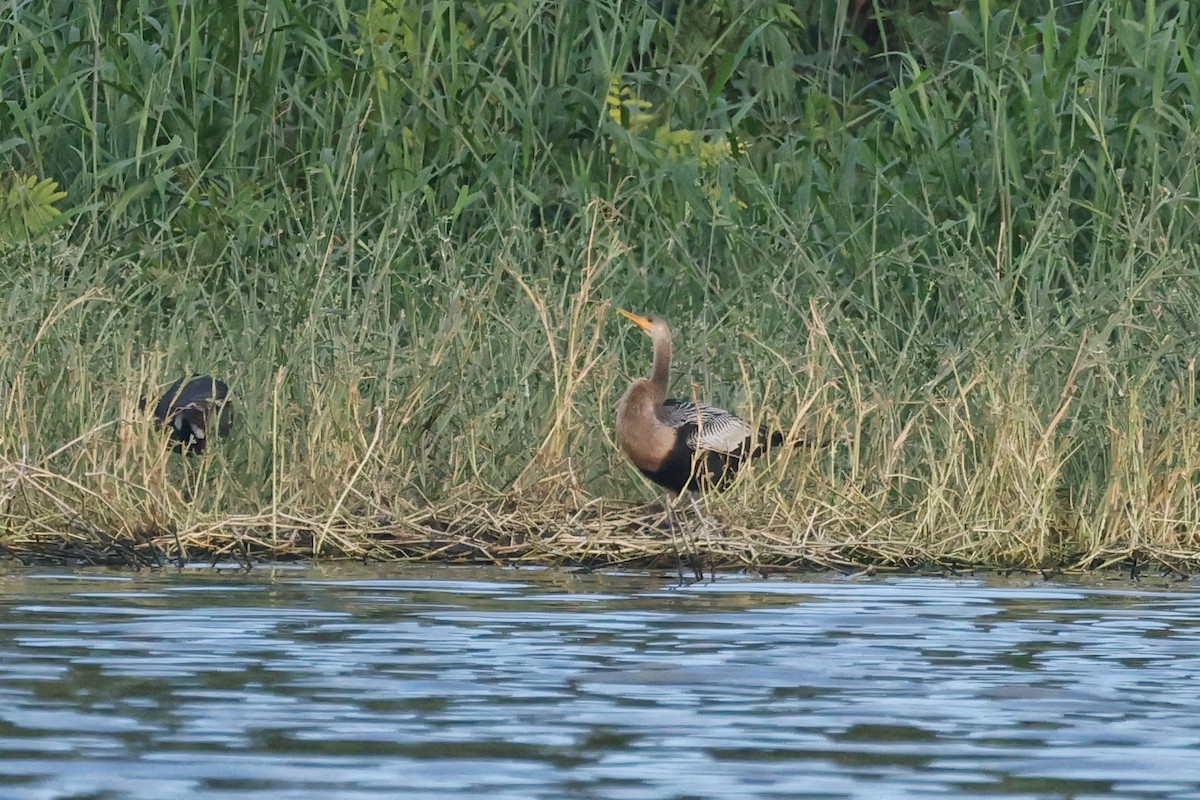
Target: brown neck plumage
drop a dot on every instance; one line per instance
(660, 373)
(643, 436)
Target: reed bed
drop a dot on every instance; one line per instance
(960, 248)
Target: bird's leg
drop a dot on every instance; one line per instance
(673, 522)
(694, 556)
(704, 529)
(674, 541)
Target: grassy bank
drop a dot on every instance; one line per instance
(960, 245)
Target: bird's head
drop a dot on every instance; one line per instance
(656, 327)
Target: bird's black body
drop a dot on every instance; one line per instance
(193, 409)
(686, 468)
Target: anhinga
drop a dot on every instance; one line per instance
(193, 409)
(680, 444)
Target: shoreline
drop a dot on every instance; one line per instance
(616, 542)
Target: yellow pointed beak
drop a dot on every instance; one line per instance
(636, 319)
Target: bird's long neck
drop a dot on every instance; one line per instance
(661, 371)
(643, 435)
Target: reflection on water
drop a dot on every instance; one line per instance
(444, 682)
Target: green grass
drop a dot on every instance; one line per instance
(962, 245)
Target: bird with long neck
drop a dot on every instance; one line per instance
(680, 444)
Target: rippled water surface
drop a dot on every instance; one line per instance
(443, 683)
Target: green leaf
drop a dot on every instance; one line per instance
(27, 207)
(730, 62)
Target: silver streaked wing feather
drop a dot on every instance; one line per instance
(716, 429)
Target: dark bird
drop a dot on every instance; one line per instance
(679, 444)
(191, 408)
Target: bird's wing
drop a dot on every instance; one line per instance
(708, 427)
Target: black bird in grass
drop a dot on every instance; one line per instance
(678, 444)
(193, 409)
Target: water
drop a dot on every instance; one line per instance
(447, 683)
